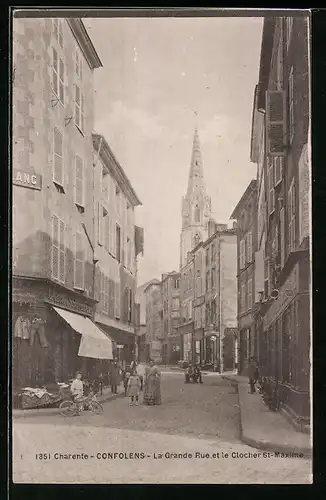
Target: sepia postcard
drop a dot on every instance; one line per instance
(161, 246)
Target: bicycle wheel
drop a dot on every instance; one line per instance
(96, 407)
(67, 408)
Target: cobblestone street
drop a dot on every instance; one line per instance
(192, 419)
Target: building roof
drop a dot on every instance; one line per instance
(219, 233)
(151, 283)
(265, 60)
(106, 154)
(85, 43)
(246, 195)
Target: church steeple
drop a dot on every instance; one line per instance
(196, 205)
(196, 176)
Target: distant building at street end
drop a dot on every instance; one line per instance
(245, 213)
(280, 146)
(171, 317)
(154, 315)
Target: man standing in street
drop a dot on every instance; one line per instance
(114, 378)
(253, 374)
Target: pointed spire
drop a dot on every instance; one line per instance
(196, 176)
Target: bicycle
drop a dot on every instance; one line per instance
(70, 408)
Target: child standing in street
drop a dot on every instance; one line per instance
(134, 385)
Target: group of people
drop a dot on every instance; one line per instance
(193, 373)
(136, 379)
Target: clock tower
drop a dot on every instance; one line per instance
(196, 206)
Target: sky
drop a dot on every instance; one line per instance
(157, 72)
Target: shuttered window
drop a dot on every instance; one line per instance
(282, 228)
(276, 132)
(58, 75)
(79, 181)
(291, 105)
(79, 108)
(242, 253)
(78, 64)
(58, 175)
(249, 293)
(291, 218)
(58, 249)
(79, 262)
(118, 243)
(243, 298)
(278, 169)
(58, 31)
(271, 189)
(111, 298)
(249, 247)
(117, 300)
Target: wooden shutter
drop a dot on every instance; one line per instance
(276, 133)
(249, 247)
(107, 223)
(79, 181)
(57, 157)
(100, 224)
(55, 247)
(111, 298)
(62, 252)
(55, 72)
(79, 269)
(278, 170)
(117, 300)
(106, 295)
(61, 80)
(60, 32)
(77, 106)
(82, 112)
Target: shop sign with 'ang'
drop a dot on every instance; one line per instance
(27, 179)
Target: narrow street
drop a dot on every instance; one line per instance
(201, 422)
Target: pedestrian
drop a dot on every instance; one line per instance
(113, 375)
(198, 375)
(152, 385)
(253, 374)
(77, 391)
(125, 376)
(133, 387)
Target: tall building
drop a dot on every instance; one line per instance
(171, 317)
(115, 249)
(196, 206)
(281, 148)
(53, 286)
(246, 214)
(154, 314)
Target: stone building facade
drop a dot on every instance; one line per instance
(171, 317)
(154, 315)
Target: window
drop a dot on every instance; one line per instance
(243, 298)
(213, 312)
(58, 31)
(279, 62)
(197, 214)
(128, 253)
(249, 247)
(79, 109)
(271, 190)
(207, 281)
(177, 283)
(79, 262)
(213, 250)
(282, 237)
(107, 231)
(249, 293)
(242, 253)
(207, 314)
(117, 300)
(105, 183)
(278, 169)
(213, 278)
(291, 105)
(118, 243)
(289, 24)
(58, 70)
(291, 218)
(275, 124)
(176, 303)
(79, 181)
(79, 64)
(102, 224)
(58, 249)
(58, 176)
(207, 256)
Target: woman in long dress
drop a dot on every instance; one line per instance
(152, 385)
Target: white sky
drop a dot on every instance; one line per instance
(156, 73)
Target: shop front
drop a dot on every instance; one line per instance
(198, 346)
(46, 348)
(124, 338)
(212, 348)
(285, 346)
(186, 333)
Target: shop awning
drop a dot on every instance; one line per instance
(94, 343)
